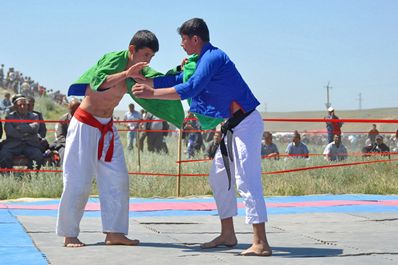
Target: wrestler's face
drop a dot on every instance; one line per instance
(142, 55)
(189, 44)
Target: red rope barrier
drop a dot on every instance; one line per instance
(266, 119)
(328, 166)
(332, 120)
(205, 160)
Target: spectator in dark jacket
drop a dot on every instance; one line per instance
(213, 146)
(378, 147)
(30, 101)
(22, 137)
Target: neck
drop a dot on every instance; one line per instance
(199, 48)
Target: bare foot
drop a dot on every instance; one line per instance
(73, 242)
(120, 239)
(221, 240)
(257, 250)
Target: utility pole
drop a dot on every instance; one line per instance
(360, 101)
(328, 87)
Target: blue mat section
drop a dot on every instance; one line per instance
(16, 247)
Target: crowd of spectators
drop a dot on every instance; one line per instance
(17, 83)
(29, 138)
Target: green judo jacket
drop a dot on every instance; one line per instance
(115, 62)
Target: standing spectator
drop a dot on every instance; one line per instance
(268, 148)
(195, 139)
(335, 151)
(132, 114)
(25, 88)
(143, 135)
(213, 146)
(6, 103)
(61, 129)
(155, 135)
(296, 148)
(22, 137)
(372, 134)
(2, 75)
(10, 79)
(332, 127)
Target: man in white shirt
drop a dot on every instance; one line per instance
(131, 115)
(335, 151)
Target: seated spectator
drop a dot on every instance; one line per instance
(379, 147)
(61, 129)
(335, 151)
(296, 148)
(213, 146)
(22, 137)
(268, 148)
(30, 101)
(6, 103)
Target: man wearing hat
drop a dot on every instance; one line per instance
(22, 137)
(333, 128)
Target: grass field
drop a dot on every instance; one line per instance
(379, 178)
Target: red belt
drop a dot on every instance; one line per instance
(86, 118)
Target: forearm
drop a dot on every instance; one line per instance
(11, 130)
(166, 93)
(114, 79)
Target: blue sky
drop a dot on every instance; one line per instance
(286, 50)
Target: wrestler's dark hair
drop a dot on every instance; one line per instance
(195, 26)
(145, 39)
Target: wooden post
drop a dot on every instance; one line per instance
(179, 164)
(137, 139)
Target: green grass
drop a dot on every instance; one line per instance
(378, 178)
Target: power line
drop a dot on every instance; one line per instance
(328, 103)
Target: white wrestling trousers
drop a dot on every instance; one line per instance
(245, 171)
(80, 165)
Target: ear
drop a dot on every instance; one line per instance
(132, 49)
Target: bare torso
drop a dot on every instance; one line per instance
(102, 103)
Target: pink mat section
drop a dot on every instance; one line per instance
(203, 206)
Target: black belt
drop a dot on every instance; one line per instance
(226, 130)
